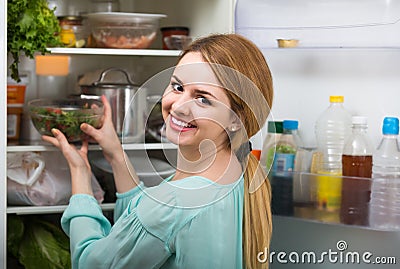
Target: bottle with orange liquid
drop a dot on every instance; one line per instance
(357, 168)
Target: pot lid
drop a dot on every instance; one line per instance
(103, 83)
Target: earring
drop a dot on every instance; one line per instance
(233, 128)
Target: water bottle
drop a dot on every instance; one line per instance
(332, 129)
(275, 129)
(283, 167)
(356, 171)
(304, 184)
(385, 190)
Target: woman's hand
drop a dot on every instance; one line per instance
(106, 136)
(124, 174)
(81, 174)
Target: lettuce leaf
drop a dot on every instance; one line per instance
(31, 28)
(43, 245)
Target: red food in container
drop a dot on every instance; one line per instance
(173, 30)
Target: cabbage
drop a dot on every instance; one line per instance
(41, 244)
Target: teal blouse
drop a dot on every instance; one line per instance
(188, 223)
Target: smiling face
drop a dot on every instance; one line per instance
(194, 107)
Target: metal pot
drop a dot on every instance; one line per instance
(128, 104)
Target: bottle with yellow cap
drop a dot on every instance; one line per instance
(332, 129)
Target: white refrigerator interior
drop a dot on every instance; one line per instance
(349, 48)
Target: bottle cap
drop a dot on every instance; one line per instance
(390, 126)
(275, 127)
(361, 120)
(290, 124)
(336, 98)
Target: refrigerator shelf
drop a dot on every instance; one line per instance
(321, 23)
(29, 210)
(330, 199)
(42, 146)
(114, 52)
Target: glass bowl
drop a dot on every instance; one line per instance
(177, 42)
(67, 115)
(123, 30)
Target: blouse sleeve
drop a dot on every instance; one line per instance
(123, 199)
(94, 244)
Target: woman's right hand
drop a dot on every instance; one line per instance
(106, 136)
(124, 174)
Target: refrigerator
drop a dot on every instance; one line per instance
(346, 47)
(349, 48)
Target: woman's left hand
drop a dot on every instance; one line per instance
(77, 160)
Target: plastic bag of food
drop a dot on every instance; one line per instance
(41, 179)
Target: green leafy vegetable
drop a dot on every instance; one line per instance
(15, 233)
(40, 245)
(31, 28)
(67, 121)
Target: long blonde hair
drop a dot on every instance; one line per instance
(252, 106)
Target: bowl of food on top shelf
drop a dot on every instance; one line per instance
(122, 30)
(177, 42)
(66, 115)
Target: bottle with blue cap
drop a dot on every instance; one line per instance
(384, 211)
(283, 167)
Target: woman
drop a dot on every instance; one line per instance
(214, 212)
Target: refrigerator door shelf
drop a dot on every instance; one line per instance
(321, 24)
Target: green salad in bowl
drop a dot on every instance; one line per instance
(67, 115)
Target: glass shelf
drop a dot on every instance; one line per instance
(343, 48)
(29, 210)
(328, 199)
(115, 52)
(42, 146)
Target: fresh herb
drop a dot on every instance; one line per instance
(31, 28)
(67, 121)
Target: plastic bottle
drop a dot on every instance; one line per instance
(275, 129)
(385, 190)
(282, 169)
(332, 129)
(356, 171)
(304, 184)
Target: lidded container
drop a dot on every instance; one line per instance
(332, 129)
(123, 30)
(384, 211)
(356, 171)
(173, 31)
(127, 100)
(283, 167)
(73, 32)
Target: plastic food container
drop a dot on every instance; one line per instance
(66, 115)
(287, 43)
(177, 42)
(14, 113)
(73, 33)
(16, 94)
(15, 103)
(123, 30)
(173, 30)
